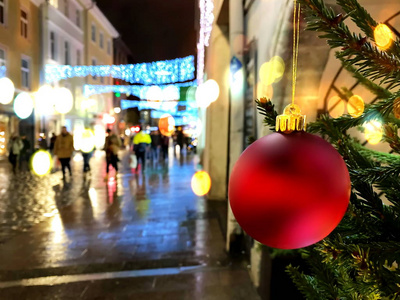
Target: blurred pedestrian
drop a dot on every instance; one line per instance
(63, 149)
(164, 146)
(180, 138)
(86, 160)
(52, 142)
(42, 142)
(25, 154)
(111, 146)
(15, 146)
(141, 142)
(155, 144)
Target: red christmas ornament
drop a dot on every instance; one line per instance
(289, 191)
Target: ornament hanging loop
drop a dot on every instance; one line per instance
(291, 120)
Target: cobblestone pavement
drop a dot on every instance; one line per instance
(133, 236)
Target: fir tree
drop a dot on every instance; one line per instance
(359, 260)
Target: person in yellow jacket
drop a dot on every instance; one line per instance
(63, 149)
(141, 143)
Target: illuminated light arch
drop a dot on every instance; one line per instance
(206, 22)
(153, 73)
(135, 90)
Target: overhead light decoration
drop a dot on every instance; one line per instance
(153, 73)
(171, 107)
(135, 90)
(206, 22)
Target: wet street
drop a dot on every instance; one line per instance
(133, 236)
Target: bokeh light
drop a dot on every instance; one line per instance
(7, 90)
(264, 91)
(272, 71)
(41, 162)
(355, 106)
(202, 99)
(64, 100)
(336, 107)
(373, 132)
(87, 141)
(212, 88)
(201, 183)
(166, 125)
(117, 110)
(191, 93)
(171, 92)
(383, 36)
(154, 93)
(23, 105)
(44, 100)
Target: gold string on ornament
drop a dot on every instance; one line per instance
(292, 119)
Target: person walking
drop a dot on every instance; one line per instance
(63, 149)
(111, 146)
(155, 145)
(141, 142)
(25, 154)
(52, 143)
(164, 146)
(15, 146)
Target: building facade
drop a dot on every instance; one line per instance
(19, 57)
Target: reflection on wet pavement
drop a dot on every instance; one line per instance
(85, 225)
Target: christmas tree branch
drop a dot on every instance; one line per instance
(355, 49)
(267, 109)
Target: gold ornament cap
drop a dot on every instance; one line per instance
(291, 120)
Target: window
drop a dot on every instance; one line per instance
(67, 56)
(94, 63)
(25, 72)
(93, 32)
(24, 24)
(78, 57)
(53, 54)
(109, 47)
(2, 12)
(66, 8)
(101, 40)
(78, 18)
(2, 57)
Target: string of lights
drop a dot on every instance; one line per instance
(170, 107)
(135, 90)
(153, 73)
(206, 21)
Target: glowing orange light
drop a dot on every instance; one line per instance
(201, 183)
(383, 36)
(355, 106)
(373, 132)
(336, 107)
(166, 124)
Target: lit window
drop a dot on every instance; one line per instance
(67, 56)
(53, 49)
(24, 24)
(101, 40)
(93, 32)
(25, 73)
(2, 12)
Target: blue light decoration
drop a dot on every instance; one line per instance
(3, 71)
(135, 90)
(153, 73)
(171, 107)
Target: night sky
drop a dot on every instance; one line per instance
(154, 29)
